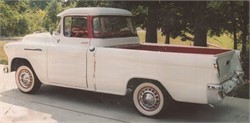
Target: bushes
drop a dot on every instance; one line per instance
(17, 19)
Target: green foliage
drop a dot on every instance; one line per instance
(35, 19)
(38, 4)
(171, 22)
(18, 19)
(51, 20)
(21, 17)
(8, 19)
(94, 3)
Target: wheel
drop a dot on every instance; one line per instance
(149, 99)
(26, 80)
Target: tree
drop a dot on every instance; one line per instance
(233, 19)
(18, 18)
(200, 23)
(152, 21)
(94, 3)
(171, 22)
(245, 37)
(137, 8)
(35, 18)
(51, 20)
(10, 18)
(230, 12)
(39, 4)
(199, 19)
(245, 26)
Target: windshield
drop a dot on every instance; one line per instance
(113, 26)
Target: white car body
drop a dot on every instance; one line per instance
(108, 65)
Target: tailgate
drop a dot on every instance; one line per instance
(225, 64)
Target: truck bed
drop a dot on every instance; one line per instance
(177, 49)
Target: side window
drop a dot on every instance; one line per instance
(96, 25)
(75, 27)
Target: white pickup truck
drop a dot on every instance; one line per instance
(97, 49)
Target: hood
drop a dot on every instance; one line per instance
(36, 37)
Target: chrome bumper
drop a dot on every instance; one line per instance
(217, 92)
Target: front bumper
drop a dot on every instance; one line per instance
(217, 92)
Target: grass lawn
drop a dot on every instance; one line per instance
(3, 57)
(224, 41)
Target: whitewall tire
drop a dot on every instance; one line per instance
(148, 99)
(26, 80)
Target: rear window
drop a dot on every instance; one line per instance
(113, 26)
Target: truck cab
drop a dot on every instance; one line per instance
(81, 30)
(95, 24)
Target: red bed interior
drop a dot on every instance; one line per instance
(195, 50)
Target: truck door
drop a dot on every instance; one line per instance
(67, 53)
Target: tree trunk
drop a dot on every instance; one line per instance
(245, 16)
(234, 25)
(167, 39)
(151, 27)
(235, 38)
(200, 25)
(200, 32)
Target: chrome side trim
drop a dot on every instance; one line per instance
(36, 49)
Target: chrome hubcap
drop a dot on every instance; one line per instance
(25, 78)
(149, 98)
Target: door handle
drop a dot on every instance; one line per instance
(91, 49)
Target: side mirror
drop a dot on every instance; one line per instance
(51, 31)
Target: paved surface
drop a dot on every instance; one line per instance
(55, 104)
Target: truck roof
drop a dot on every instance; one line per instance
(95, 11)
